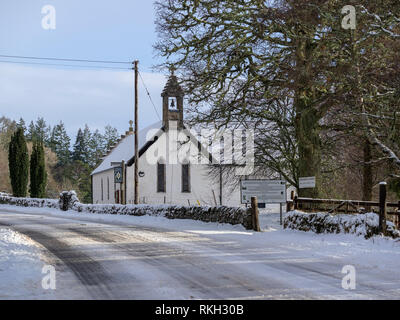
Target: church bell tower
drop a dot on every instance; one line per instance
(172, 102)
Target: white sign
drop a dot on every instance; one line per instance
(307, 182)
(266, 191)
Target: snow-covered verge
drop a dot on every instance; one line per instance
(220, 214)
(365, 225)
(20, 267)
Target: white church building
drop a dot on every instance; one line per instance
(174, 167)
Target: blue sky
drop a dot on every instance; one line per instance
(121, 30)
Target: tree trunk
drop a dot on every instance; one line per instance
(367, 172)
(306, 123)
(309, 144)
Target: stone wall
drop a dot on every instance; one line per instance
(69, 201)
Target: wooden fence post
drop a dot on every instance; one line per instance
(296, 206)
(382, 207)
(290, 204)
(254, 213)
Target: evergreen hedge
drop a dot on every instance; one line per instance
(18, 162)
(38, 175)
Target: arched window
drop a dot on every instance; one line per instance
(102, 191)
(161, 177)
(186, 177)
(108, 188)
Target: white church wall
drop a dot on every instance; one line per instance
(105, 194)
(201, 184)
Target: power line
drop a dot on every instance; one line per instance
(65, 59)
(148, 94)
(65, 65)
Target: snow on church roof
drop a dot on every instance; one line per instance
(124, 150)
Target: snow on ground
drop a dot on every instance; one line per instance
(369, 256)
(322, 244)
(22, 271)
(20, 266)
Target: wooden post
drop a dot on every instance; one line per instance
(220, 185)
(382, 207)
(290, 204)
(254, 212)
(136, 135)
(123, 187)
(296, 206)
(280, 204)
(215, 199)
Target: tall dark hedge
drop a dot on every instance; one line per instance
(38, 171)
(18, 163)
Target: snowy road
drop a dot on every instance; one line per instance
(116, 260)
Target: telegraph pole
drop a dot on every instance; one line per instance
(136, 62)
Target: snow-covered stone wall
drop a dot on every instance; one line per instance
(359, 224)
(28, 202)
(221, 214)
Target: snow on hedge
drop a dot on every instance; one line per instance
(69, 201)
(359, 224)
(28, 202)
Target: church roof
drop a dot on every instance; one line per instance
(172, 87)
(125, 149)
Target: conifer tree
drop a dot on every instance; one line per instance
(31, 131)
(38, 173)
(96, 148)
(87, 136)
(48, 135)
(18, 162)
(41, 130)
(60, 143)
(79, 147)
(21, 124)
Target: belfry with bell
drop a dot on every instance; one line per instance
(172, 102)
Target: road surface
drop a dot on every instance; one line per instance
(115, 261)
